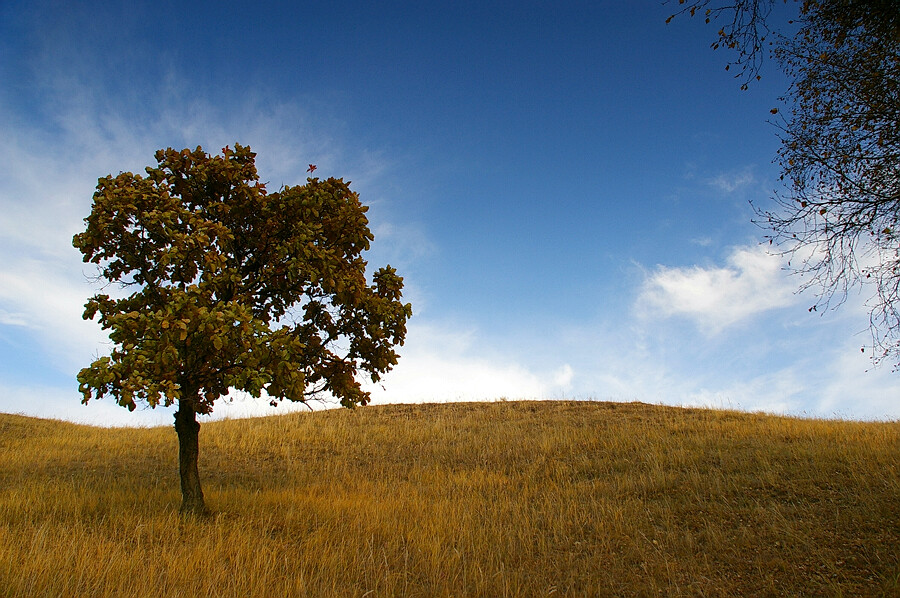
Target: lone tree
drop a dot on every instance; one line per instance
(840, 154)
(233, 288)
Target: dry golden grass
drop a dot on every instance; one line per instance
(495, 499)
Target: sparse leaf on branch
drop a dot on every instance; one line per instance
(840, 152)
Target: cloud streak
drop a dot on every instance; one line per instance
(446, 363)
(733, 181)
(716, 298)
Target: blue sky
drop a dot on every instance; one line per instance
(564, 186)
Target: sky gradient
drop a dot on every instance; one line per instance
(565, 188)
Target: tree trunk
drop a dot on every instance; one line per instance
(188, 429)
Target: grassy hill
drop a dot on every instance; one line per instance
(487, 499)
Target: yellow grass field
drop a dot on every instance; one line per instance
(486, 499)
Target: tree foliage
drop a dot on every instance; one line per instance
(840, 153)
(234, 287)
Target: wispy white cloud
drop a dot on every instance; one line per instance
(13, 319)
(48, 300)
(820, 373)
(563, 377)
(732, 181)
(752, 282)
(445, 363)
(401, 244)
(837, 382)
(776, 392)
(850, 386)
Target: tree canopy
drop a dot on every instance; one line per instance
(840, 152)
(234, 288)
